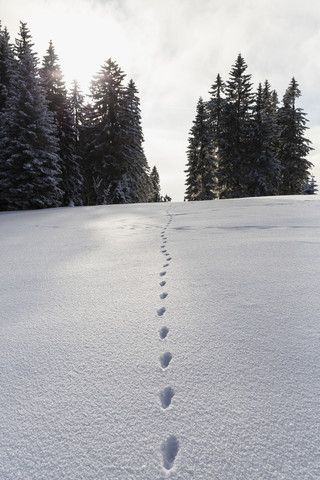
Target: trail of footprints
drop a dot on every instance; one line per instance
(170, 446)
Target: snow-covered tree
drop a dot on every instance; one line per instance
(56, 94)
(235, 161)
(77, 108)
(116, 158)
(136, 169)
(310, 187)
(155, 185)
(293, 147)
(104, 150)
(264, 176)
(29, 163)
(7, 65)
(199, 167)
(216, 107)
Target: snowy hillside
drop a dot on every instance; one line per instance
(176, 341)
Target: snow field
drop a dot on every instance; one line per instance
(165, 341)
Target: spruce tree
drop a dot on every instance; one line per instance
(235, 162)
(216, 108)
(155, 185)
(7, 66)
(56, 94)
(77, 108)
(105, 135)
(310, 187)
(29, 164)
(264, 176)
(136, 169)
(293, 147)
(199, 167)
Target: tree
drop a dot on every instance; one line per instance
(77, 108)
(264, 177)
(119, 169)
(293, 147)
(56, 94)
(216, 108)
(136, 169)
(310, 187)
(155, 185)
(199, 168)
(29, 164)
(7, 66)
(235, 162)
(104, 149)
(166, 198)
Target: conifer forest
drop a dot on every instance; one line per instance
(57, 148)
(244, 144)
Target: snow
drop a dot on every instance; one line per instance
(172, 340)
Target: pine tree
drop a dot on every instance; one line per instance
(310, 187)
(77, 108)
(216, 108)
(29, 164)
(199, 167)
(105, 135)
(56, 94)
(136, 169)
(293, 147)
(7, 66)
(155, 184)
(264, 177)
(234, 163)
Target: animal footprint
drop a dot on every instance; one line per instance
(162, 284)
(165, 359)
(161, 311)
(166, 396)
(169, 448)
(163, 332)
(162, 274)
(163, 295)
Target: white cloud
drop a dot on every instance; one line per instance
(174, 49)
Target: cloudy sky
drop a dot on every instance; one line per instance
(173, 50)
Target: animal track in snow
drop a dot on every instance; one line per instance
(169, 258)
(162, 274)
(166, 265)
(163, 295)
(163, 332)
(161, 311)
(165, 359)
(162, 284)
(166, 396)
(169, 448)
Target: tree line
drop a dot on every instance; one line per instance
(242, 143)
(56, 149)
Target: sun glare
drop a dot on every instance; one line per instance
(83, 39)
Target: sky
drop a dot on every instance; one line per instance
(173, 50)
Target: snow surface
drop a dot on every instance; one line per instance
(159, 341)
